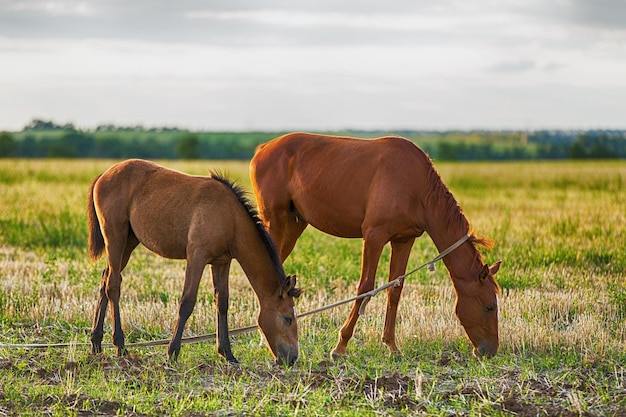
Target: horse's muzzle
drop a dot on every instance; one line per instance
(485, 350)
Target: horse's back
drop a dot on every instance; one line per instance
(337, 184)
(337, 161)
(337, 149)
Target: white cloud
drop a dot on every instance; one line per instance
(55, 8)
(305, 64)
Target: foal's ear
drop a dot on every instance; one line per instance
(289, 288)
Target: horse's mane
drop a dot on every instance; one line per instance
(268, 243)
(439, 195)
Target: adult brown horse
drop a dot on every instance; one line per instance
(205, 220)
(383, 190)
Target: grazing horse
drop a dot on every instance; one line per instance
(383, 190)
(205, 220)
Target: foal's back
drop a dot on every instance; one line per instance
(166, 210)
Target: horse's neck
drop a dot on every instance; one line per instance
(447, 224)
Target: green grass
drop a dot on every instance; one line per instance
(559, 229)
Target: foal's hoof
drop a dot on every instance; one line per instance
(232, 361)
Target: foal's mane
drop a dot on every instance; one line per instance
(268, 243)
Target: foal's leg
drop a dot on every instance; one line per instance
(97, 331)
(220, 284)
(193, 274)
(400, 252)
(372, 248)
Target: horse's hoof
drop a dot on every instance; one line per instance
(232, 360)
(336, 356)
(122, 352)
(395, 353)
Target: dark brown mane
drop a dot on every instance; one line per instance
(242, 196)
(438, 195)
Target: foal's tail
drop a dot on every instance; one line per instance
(96, 240)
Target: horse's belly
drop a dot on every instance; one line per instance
(333, 221)
(337, 229)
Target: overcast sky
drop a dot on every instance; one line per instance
(314, 64)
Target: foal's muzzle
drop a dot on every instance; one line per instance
(286, 355)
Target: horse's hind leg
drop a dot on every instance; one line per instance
(400, 252)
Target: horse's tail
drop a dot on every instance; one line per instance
(96, 240)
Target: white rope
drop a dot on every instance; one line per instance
(366, 296)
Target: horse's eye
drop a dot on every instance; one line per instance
(490, 309)
(288, 320)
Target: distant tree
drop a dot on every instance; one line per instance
(7, 145)
(72, 145)
(596, 145)
(188, 147)
(577, 150)
(38, 124)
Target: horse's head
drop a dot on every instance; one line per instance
(477, 310)
(277, 321)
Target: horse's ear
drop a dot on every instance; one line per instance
(489, 270)
(495, 268)
(484, 273)
(289, 287)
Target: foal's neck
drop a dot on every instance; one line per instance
(261, 266)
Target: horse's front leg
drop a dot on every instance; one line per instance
(193, 274)
(372, 248)
(97, 330)
(400, 252)
(220, 284)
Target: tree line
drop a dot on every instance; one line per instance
(46, 139)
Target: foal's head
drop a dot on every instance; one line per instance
(277, 321)
(477, 309)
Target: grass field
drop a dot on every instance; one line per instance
(559, 227)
